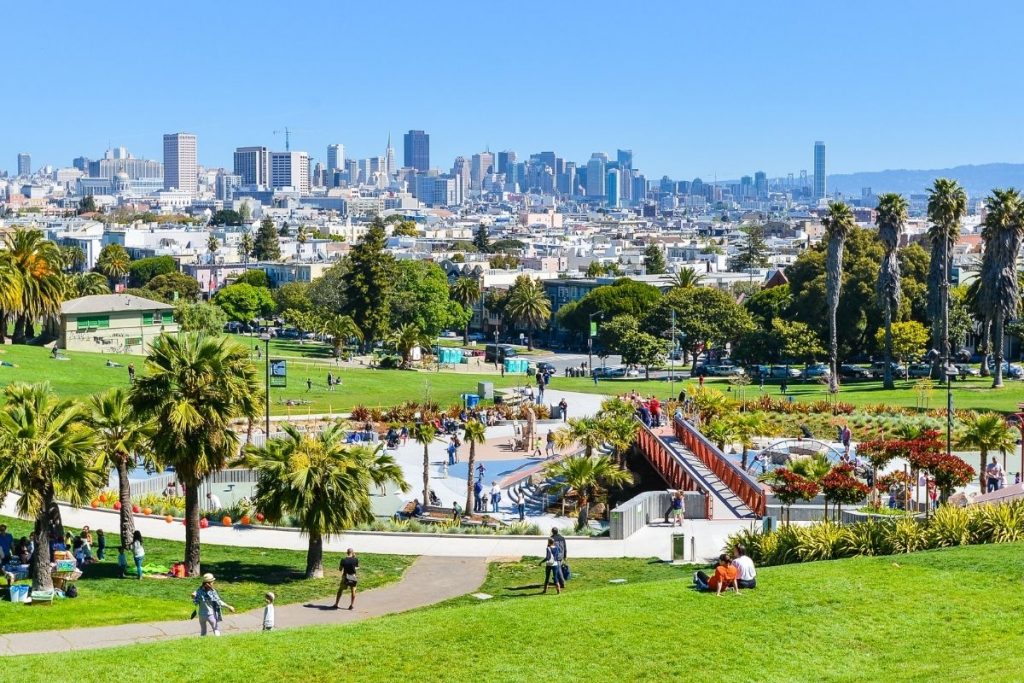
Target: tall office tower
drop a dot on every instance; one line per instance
(290, 169)
(624, 157)
(625, 185)
(819, 170)
(352, 171)
(252, 165)
(335, 158)
(181, 170)
(463, 169)
(389, 159)
(549, 159)
(512, 175)
(596, 176)
(612, 180)
(483, 164)
(24, 164)
(227, 184)
(639, 192)
(505, 159)
(567, 178)
(746, 187)
(697, 187)
(761, 184)
(417, 150)
(82, 164)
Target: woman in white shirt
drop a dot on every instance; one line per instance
(746, 575)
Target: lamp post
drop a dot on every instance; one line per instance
(1020, 425)
(266, 356)
(590, 339)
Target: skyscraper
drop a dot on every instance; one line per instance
(462, 169)
(417, 150)
(290, 169)
(389, 159)
(24, 164)
(819, 170)
(612, 184)
(761, 184)
(624, 157)
(335, 157)
(180, 166)
(252, 165)
(596, 174)
(505, 159)
(483, 164)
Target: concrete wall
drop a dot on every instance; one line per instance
(124, 334)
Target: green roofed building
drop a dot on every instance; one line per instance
(113, 323)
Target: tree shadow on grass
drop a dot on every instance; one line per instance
(270, 574)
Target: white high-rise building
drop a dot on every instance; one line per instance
(252, 165)
(290, 169)
(335, 157)
(389, 159)
(181, 170)
(596, 178)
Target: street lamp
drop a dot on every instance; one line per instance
(591, 331)
(948, 372)
(266, 355)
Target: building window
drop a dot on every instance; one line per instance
(167, 317)
(94, 322)
(147, 318)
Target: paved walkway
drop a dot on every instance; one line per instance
(428, 581)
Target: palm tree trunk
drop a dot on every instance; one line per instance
(42, 580)
(19, 328)
(986, 342)
(584, 513)
(465, 334)
(887, 381)
(315, 556)
(248, 431)
(3, 325)
(469, 477)
(997, 347)
(426, 475)
(125, 497)
(529, 340)
(191, 528)
(981, 468)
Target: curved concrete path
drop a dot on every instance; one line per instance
(427, 581)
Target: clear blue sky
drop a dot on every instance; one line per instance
(694, 88)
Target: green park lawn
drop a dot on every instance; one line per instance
(243, 576)
(922, 617)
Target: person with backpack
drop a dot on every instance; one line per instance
(552, 566)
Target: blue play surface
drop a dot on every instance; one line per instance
(493, 469)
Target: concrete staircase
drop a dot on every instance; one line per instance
(725, 503)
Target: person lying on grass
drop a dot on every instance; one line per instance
(724, 577)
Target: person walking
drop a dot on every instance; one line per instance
(268, 611)
(994, 475)
(131, 373)
(495, 496)
(330, 382)
(451, 452)
(519, 502)
(552, 566)
(563, 552)
(309, 385)
(564, 408)
(677, 509)
(349, 567)
(138, 552)
(209, 606)
(550, 444)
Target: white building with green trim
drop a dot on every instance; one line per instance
(113, 323)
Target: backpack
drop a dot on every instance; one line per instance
(71, 591)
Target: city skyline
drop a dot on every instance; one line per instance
(688, 101)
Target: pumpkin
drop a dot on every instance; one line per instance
(147, 511)
(225, 520)
(94, 503)
(203, 523)
(135, 509)
(168, 519)
(245, 519)
(117, 505)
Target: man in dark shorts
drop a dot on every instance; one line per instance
(349, 565)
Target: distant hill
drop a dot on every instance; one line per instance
(977, 180)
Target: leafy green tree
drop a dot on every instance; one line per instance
(466, 292)
(327, 292)
(192, 389)
(243, 302)
(612, 332)
(528, 305)
(643, 349)
(503, 262)
(145, 269)
(321, 482)
(624, 296)
(797, 341)
(405, 229)
(164, 287)
(481, 239)
(369, 284)
(838, 224)
(201, 318)
(48, 448)
(705, 317)
(654, 260)
(87, 204)
(768, 304)
(458, 257)
(255, 277)
(268, 245)
(908, 339)
(961, 320)
(421, 297)
(113, 262)
(293, 295)
(284, 230)
(124, 441)
(244, 213)
(754, 252)
(508, 246)
(226, 217)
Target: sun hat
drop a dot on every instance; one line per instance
(208, 578)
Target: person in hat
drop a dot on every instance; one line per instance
(209, 606)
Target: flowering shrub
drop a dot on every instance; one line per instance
(841, 487)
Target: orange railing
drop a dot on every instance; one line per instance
(668, 465)
(741, 483)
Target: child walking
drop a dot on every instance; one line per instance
(268, 612)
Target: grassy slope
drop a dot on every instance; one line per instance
(243, 576)
(928, 616)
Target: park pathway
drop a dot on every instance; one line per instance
(427, 581)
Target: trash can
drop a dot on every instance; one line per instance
(555, 411)
(485, 390)
(678, 547)
(470, 400)
(769, 523)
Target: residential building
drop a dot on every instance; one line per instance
(114, 323)
(252, 165)
(290, 169)
(417, 150)
(181, 170)
(227, 184)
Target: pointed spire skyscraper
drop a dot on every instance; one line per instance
(389, 159)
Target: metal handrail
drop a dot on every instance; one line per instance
(739, 482)
(671, 466)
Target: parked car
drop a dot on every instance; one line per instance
(605, 372)
(449, 334)
(477, 336)
(967, 370)
(495, 353)
(854, 372)
(544, 366)
(784, 371)
(815, 371)
(919, 370)
(878, 369)
(726, 370)
(1011, 370)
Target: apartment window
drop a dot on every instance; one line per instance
(93, 322)
(147, 318)
(167, 317)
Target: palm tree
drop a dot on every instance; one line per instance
(748, 426)
(320, 481)
(192, 388)
(838, 224)
(587, 432)
(892, 219)
(406, 338)
(340, 328)
(947, 205)
(475, 433)
(619, 432)
(528, 305)
(212, 245)
(72, 257)
(85, 284)
(36, 263)
(589, 477)
(720, 431)
(987, 432)
(246, 245)
(686, 278)
(466, 291)
(123, 437)
(10, 291)
(48, 446)
(999, 296)
(113, 262)
(424, 434)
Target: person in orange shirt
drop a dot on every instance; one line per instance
(724, 577)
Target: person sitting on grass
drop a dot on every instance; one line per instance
(724, 577)
(746, 575)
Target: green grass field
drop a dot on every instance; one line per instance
(243, 576)
(942, 615)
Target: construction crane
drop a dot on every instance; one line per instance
(287, 138)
